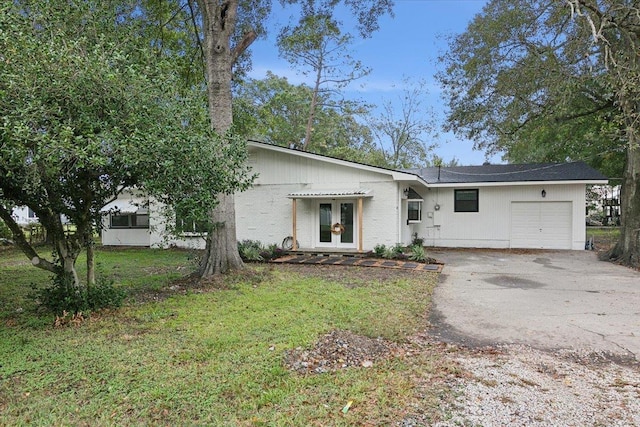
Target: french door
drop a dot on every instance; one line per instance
(336, 224)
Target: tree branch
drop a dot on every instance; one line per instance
(239, 49)
(22, 243)
(195, 28)
(585, 113)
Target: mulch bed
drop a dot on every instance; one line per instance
(431, 265)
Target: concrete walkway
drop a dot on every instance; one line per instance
(357, 261)
(546, 299)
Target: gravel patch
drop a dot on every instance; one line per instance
(521, 386)
(338, 350)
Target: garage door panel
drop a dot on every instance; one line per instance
(542, 225)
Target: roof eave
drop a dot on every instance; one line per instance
(395, 174)
(515, 183)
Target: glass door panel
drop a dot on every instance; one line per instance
(346, 219)
(325, 222)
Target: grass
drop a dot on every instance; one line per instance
(603, 237)
(209, 357)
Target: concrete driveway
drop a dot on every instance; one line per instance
(545, 299)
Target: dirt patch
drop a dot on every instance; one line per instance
(339, 350)
(193, 284)
(349, 276)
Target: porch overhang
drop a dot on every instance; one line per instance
(331, 194)
(359, 195)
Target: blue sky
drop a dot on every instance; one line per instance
(407, 45)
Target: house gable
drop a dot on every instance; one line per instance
(280, 165)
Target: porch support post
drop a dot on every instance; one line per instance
(360, 224)
(294, 234)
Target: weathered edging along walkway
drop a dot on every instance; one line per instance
(357, 261)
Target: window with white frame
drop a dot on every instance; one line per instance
(414, 211)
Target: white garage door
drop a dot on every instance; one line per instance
(542, 225)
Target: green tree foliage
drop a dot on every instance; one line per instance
(614, 30)
(87, 108)
(524, 79)
(402, 135)
(275, 111)
(546, 80)
(318, 47)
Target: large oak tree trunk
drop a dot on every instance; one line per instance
(627, 250)
(219, 18)
(221, 252)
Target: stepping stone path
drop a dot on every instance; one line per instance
(361, 262)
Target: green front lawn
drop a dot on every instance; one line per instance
(210, 355)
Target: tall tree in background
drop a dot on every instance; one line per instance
(518, 81)
(544, 80)
(615, 29)
(228, 29)
(275, 111)
(405, 131)
(317, 46)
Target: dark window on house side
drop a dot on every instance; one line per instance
(129, 220)
(466, 200)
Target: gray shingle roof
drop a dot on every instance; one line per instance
(574, 171)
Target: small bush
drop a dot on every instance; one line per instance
(418, 253)
(394, 252)
(379, 250)
(104, 295)
(250, 250)
(271, 252)
(253, 250)
(398, 249)
(63, 296)
(389, 253)
(251, 253)
(417, 241)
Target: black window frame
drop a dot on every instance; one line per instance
(466, 205)
(133, 220)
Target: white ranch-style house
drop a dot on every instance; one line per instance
(324, 203)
